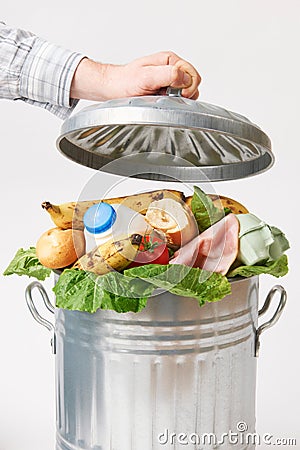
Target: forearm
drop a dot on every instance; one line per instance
(88, 81)
(46, 75)
(144, 76)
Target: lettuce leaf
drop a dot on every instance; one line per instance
(25, 262)
(205, 212)
(277, 268)
(183, 280)
(84, 291)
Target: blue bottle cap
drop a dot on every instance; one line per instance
(99, 218)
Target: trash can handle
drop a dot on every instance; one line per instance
(276, 315)
(34, 312)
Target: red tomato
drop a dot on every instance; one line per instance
(153, 250)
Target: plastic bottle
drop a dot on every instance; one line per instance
(104, 221)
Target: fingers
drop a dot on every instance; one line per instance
(185, 76)
(189, 90)
(156, 77)
(182, 75)
(158, 59)
(195, 95)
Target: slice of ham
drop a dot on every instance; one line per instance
(215, 249)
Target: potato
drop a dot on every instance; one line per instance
(58, 248)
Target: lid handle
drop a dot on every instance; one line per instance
(173, 92)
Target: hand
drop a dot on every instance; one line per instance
(144, 76)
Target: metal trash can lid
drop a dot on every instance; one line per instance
(166, 137)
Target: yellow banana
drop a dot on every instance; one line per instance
(70, 215)
(115, 254)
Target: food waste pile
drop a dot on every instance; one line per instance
(115, 253)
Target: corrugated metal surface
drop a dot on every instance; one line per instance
(124, 379)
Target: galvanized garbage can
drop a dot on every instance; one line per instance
(173, 374)
(169, 374)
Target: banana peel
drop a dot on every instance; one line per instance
(70, 215)
(115, 254)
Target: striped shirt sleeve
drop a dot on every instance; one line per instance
(37, 72)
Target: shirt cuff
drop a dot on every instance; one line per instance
(47, 75)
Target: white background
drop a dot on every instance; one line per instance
(248, 54)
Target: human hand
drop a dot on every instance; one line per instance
(143, 76)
